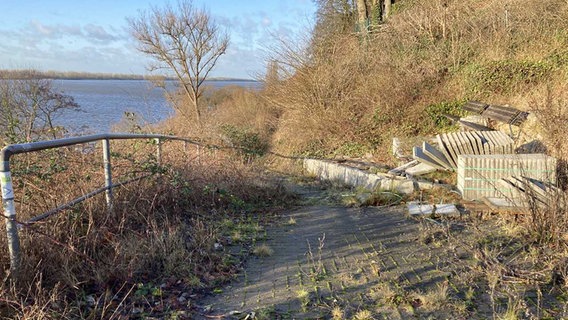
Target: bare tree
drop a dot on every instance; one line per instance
(183, 40)
(28, 106)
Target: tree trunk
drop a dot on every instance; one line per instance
(375, 12)
(195, 103)
(387, 11)
(362, 16)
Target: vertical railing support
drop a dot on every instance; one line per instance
(10, 215)
(158, 151)
(108, 172)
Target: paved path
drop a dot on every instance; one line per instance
(351, 260)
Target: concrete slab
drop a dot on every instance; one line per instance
(454, 145)
(489, 144)
(446, 209)
(451, 151)
(494, 138)
(420, 169)
(481, 141)
(436, 155)
(402, 186)
(510, 188)
(476, 141)
(472, 141)
(466, 144)
(328, 170)
(505, 205)
(442, 147)
(400, 169)
(425, 185)
(418, 154)
(415, 208)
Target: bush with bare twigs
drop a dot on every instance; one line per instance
(160, 240)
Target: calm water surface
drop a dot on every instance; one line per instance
(104, 102)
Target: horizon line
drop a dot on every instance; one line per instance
(82, 75)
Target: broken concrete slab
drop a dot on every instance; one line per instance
(415, 208)
(419, 155)
(420, 169)
(402, 186)
(445, 209)
(436, 155)
(400, 169)
(505, 205)
(328, 170)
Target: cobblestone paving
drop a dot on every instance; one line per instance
(347, 259)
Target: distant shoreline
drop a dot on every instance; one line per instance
(26, 74)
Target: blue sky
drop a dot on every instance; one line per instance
(93, 35)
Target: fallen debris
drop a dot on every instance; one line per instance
(504, 114)
(420, 169)
(505, 205)
(415, 208)
(452, 145)
(533, 191)
(479, 175)
(401, 169)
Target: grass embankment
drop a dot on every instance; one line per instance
(164, 241)
(353, 95)
(345, 95)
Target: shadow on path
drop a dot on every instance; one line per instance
(332, 257)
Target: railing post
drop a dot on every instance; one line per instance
(158, 151)
(10, 215)
(108, 172)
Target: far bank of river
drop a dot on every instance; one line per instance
(104, 102)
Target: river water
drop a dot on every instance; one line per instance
(103, 103)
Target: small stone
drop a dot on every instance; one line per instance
(137, 310)
(218, 246)
(90, 300)
(182, 299)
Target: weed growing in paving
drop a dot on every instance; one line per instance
(337, 313)
(291, 221)
(363, 315)
(317, 270)
(262, 250)
(304, 296)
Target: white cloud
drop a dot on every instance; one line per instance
(98, 33)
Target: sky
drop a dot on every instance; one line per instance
(93, 35)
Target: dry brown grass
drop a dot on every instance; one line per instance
(353, 96)
(159, 238)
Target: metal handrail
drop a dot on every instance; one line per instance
(8, 190)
